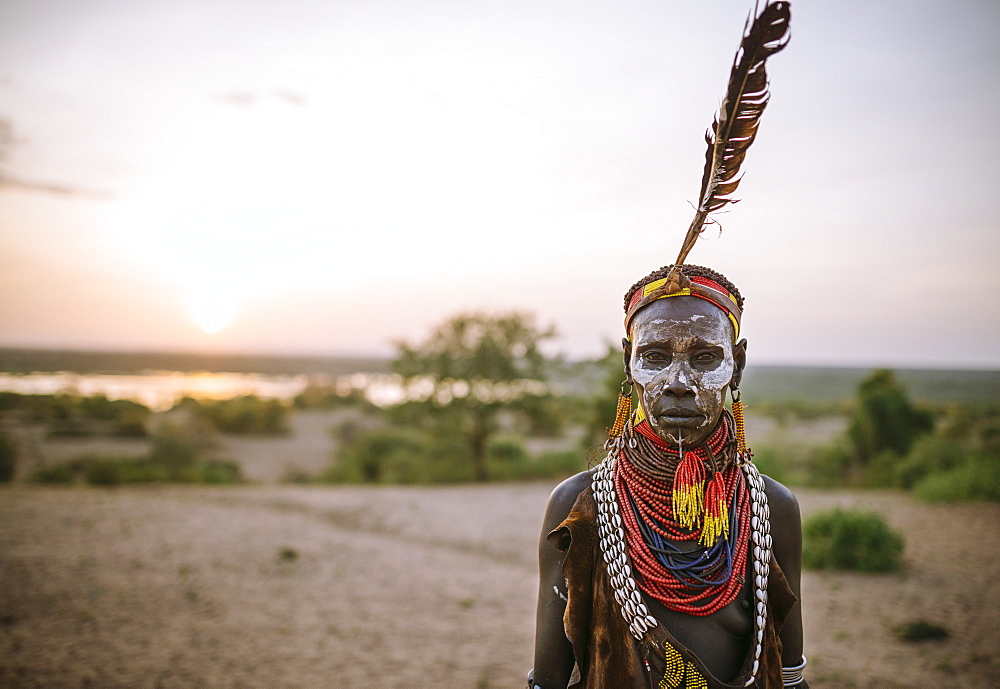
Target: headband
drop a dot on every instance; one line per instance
(703, 288)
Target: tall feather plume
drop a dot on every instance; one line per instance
(735, 126)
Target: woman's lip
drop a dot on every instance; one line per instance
(679, 420)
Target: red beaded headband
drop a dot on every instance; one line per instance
(701, 287)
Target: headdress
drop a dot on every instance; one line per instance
(733, 130)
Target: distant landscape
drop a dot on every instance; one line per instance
(761, 382)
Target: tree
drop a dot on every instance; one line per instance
(475, 372)
(883, 418)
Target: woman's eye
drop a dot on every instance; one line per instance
(705, 357)
(654, 357)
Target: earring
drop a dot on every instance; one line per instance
(624, 410)
(742, 451)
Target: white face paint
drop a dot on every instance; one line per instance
(681, 363)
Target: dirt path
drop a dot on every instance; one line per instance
(402, 587)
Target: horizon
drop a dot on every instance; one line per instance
(346, 356)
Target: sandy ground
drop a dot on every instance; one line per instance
(286, 586)
(289, 586)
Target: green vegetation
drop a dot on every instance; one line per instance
(246, 415)
(476, 375)
(174, 458)
(848, 540)
(317, 396)
(476, 388)
(920, 630)
(391, 455)
(892, 444)
(287, 554)
(72, 415)
(8, 458)
(883, 420)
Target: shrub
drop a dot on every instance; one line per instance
(102, 471)
(919, 630)
(976, 479)
(53, 474)
(770, 461)
(831, 466)
(247, 415)
(560, 464)
(506, 456)
(883, 418)
(173, 450)
(383, 455)
(848, 540)
(217, 471)
(930, 455)
(8, 458)
(327, 397)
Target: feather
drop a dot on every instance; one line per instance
(735, 126)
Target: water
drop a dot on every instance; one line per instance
(160, 390)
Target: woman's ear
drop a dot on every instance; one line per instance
(740, 359)
(627, 355)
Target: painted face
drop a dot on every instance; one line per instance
(681, 361)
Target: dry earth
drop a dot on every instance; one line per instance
(266, 586)
(285, 586)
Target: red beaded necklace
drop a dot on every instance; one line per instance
(698, 582)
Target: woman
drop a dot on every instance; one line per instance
(673, 563)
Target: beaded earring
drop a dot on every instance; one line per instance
(743, 453)
(624, 410)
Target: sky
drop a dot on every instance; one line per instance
(332, 176)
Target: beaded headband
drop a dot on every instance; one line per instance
(695, 286)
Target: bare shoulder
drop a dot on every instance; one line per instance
(786, 523)
(562, 498)
(780, 500)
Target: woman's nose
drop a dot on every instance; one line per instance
(677, 384)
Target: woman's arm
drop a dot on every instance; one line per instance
(553, 652)
(786, 530)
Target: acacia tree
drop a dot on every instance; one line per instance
(473, 371)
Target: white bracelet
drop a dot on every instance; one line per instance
(792, 674)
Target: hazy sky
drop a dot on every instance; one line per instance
(323, 176)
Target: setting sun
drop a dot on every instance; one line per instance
(212, 313)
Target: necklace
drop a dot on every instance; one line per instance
(699, 581)
(616, 509)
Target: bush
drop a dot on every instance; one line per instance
(930, 455)
(247, 415)
(8, 458)
(173, 450)
(71, 415)
(506, 457)
(217, 471)
(976, 479)
(561, 464)
(920, 630)
(103, 471)
(831, 466)
(328, 397)
(54, 474)
(769, 461)
(849, 540)
(883, 418)
(383, 455)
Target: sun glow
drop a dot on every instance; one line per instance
(212, 313)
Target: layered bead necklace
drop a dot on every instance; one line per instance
(696, 581)
(649, 494)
